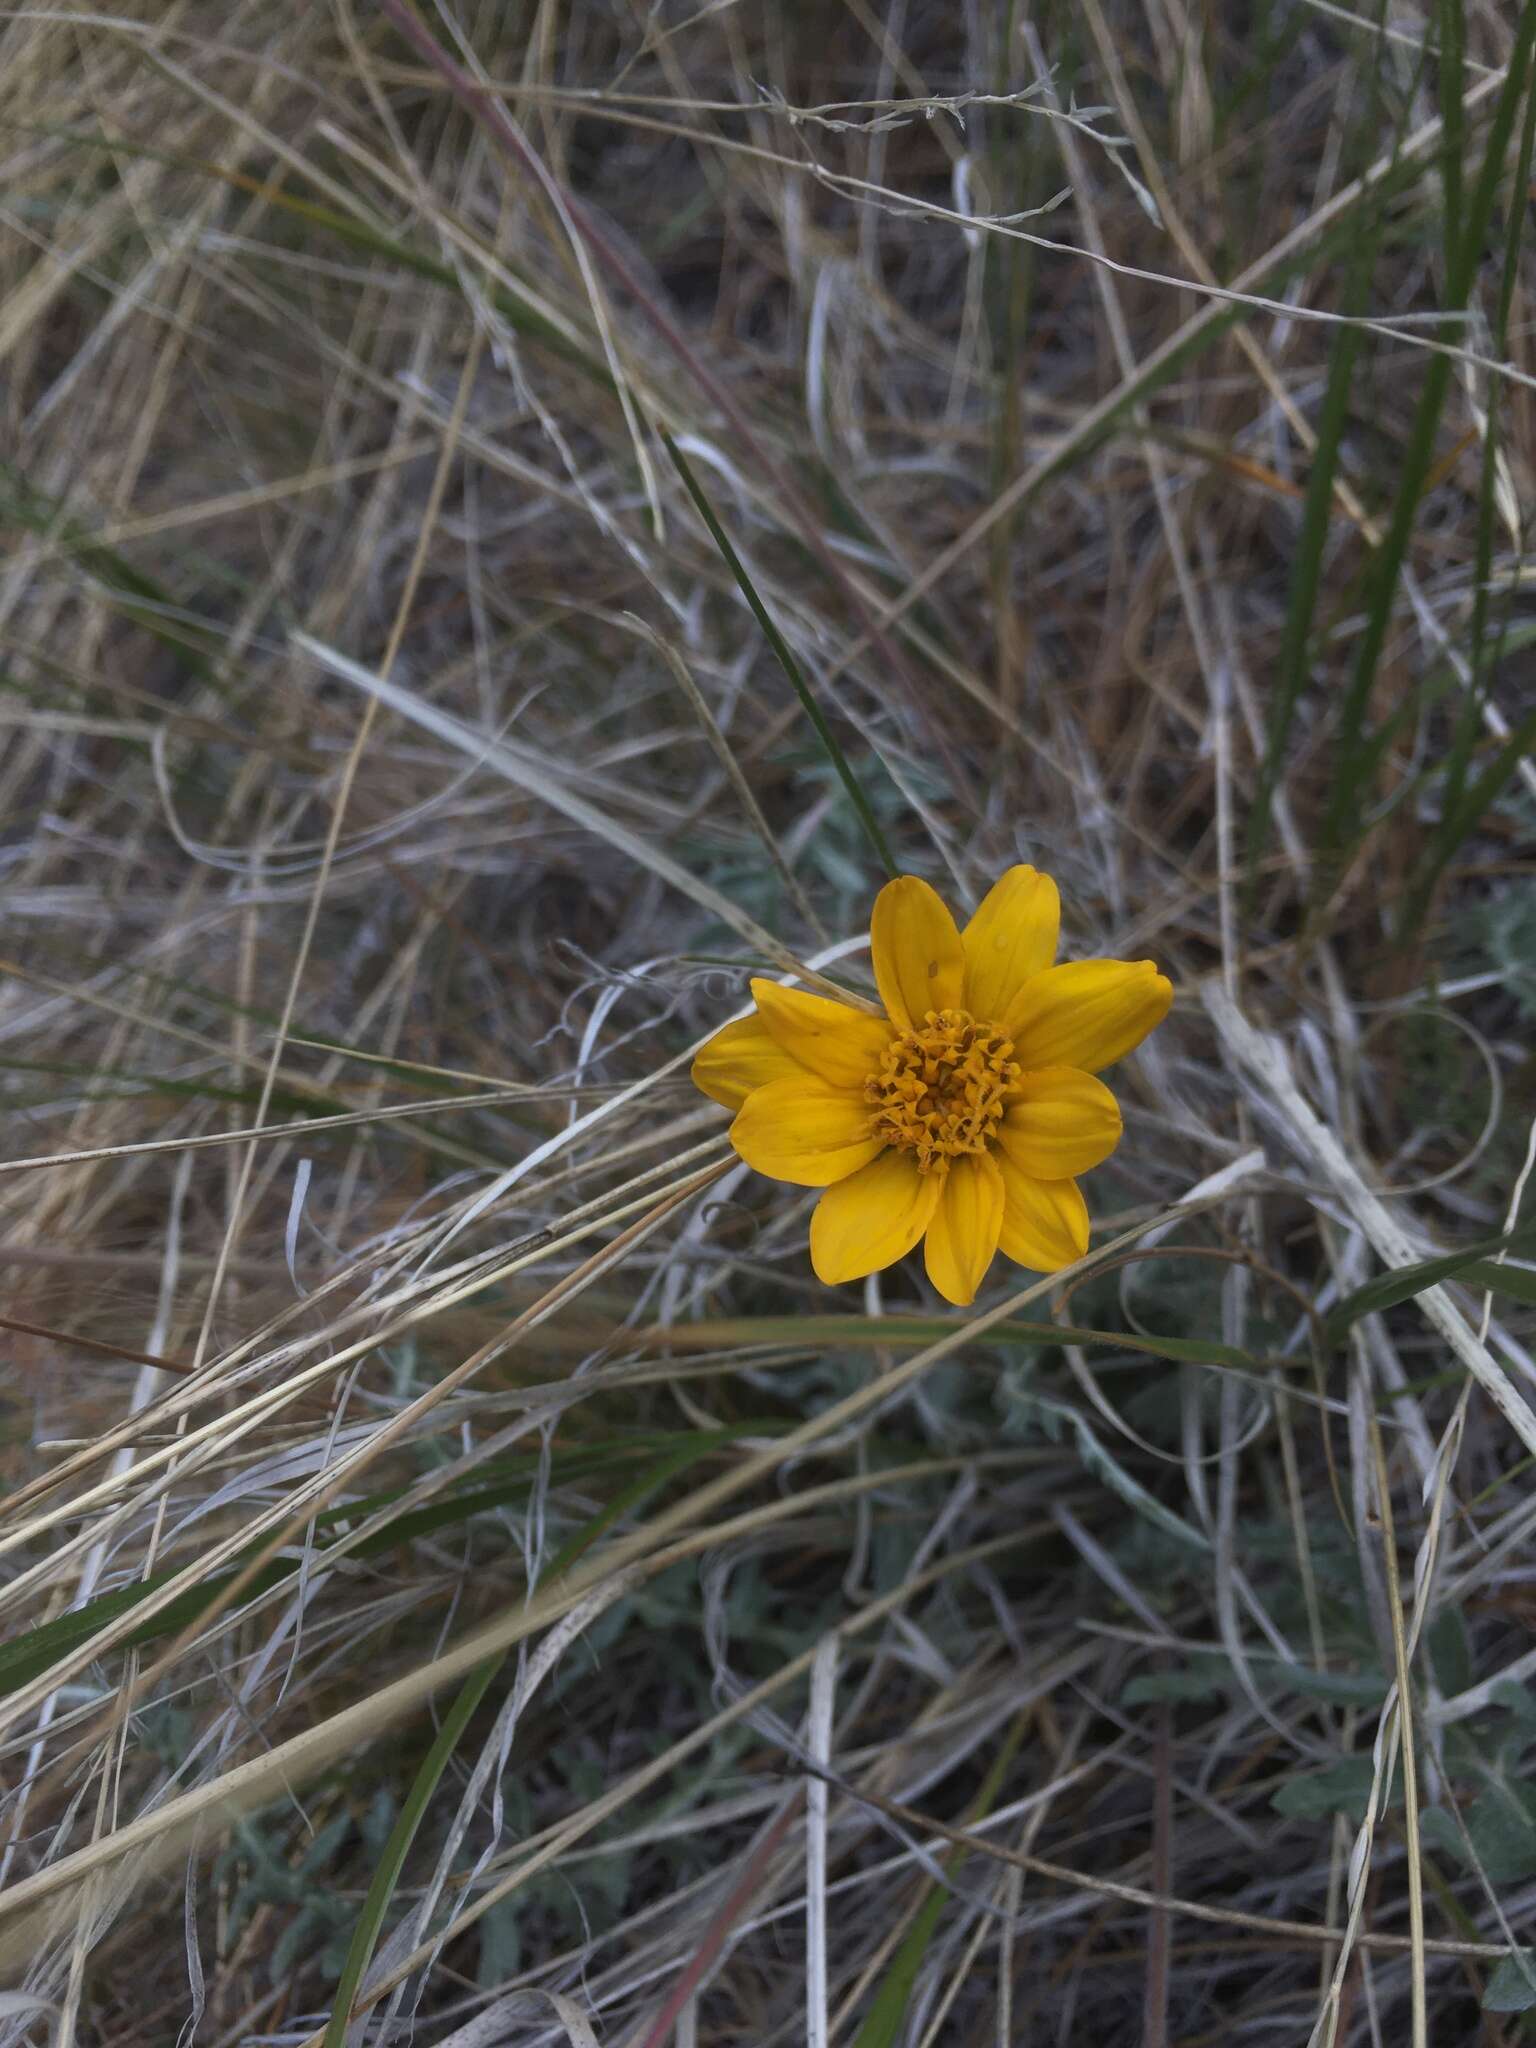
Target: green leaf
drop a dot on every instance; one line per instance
(1471, 1265)
(1347, 1688)
(1516, 1699)
(1343, 1787)
(1438, 1830)
(1212, 1679)
(1512, 1987)
(1057, 1418)
(1148, 1687)
(1450, 1654)
(1502, 1825)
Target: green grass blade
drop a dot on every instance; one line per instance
(1460, 812)
(882, 2023)
(786, 659)
(1351, 773)
(912, 1332)
(386, 1876)
(27, 1656)
(121, 1084)
(1460, 820)
(1472, 1265)
(137, 596)
(1452, 75)
(522, 313)
(1292, 661)
(1349, 783)
(381, 1889)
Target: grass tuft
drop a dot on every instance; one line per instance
(461, 1577)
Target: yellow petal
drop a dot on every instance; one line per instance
(870, 1220)
(1011, 937)
(1087, 1013)
(1045, 1222)
(1061, 1122)
(963, 1234)
(840, 1044)
(918, 960)
(805, 1130)
(740, 1057)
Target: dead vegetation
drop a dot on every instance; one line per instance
(459, 1567)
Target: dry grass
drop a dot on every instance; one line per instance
(448, 1534)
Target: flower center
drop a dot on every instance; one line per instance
(939, 1090)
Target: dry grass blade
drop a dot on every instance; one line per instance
(461, 1573)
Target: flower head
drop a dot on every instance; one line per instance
(959, 1117)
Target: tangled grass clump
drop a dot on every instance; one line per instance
(518, 521)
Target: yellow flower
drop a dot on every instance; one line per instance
(961, 1115)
